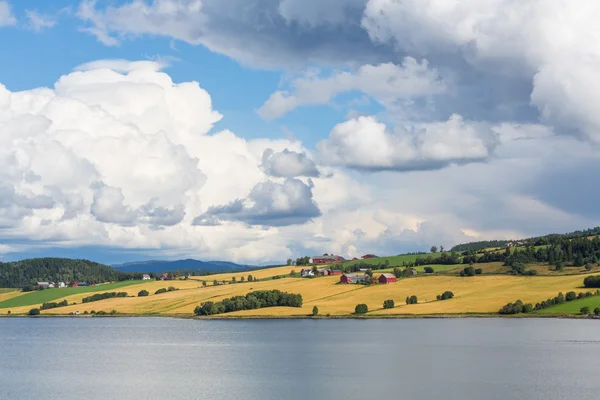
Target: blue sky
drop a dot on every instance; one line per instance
(363, 126)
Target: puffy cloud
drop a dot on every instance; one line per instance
(39, 22)
(388, 83)
(288, 164)
(269, 203)
(365, 143)
(6, 16)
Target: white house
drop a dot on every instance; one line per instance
(51, 286)
(62, 285)
(146, 277)
(307, 272)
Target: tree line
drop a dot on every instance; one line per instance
(102, 296)
(251, 301)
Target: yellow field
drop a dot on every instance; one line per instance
(260, 274)
(479, 294)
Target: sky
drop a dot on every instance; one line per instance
(255, 131)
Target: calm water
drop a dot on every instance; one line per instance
(153, 358)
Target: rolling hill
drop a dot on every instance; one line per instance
(187, 265)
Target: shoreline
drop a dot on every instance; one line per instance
(310, 317)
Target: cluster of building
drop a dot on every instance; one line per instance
(308, 272)
(329, 259)
(364, 278)
(52, 285)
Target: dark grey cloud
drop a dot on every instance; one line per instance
(288, 164)
(269, 203)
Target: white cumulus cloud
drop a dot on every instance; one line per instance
(6, 16)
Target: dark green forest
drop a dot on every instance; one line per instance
(24, 273)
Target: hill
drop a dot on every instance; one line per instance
(25, 272)
(195, 267)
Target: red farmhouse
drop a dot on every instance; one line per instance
(387, 278)
(366, 256)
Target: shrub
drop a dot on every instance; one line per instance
(34, 311)
(588, 267)
(161, 290)
(48, 306)
(597, 311)
(102, 296)
(428, 270)
(113, 312)
(478, 271)
(469, 271)
(85, 312)
(570, 296)
(560, 299)
(446, 295)
(143, 293)
(93, 312)
(172, 288)
(315, 311)
(8, 312)
(412, 299)
(516, 308)
(361, 309)
(388, 304)
(592, 281)
(584, 310)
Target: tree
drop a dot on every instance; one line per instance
(446, 295)
(204, 283)
(428, 270)
(242, 279)
(143, 293)
(597, 311)
(441, 249)
(315, 311)
(315, 270)
(588, 267)
(289, 261)
(570, 296)
(388, 304)
(293, 273)
(159, 291)
(412, 299)
(250, 279)
(469, 271)
(233, 280)
(584, 310)
(433, 249)
(215, 282)
(592, 282)
(34, 311)
(361, 309)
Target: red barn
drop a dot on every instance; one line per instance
(366, 256)
(336, 272)
(327, 259)
(387, 278)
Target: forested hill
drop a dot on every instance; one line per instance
(194, 267)
(25, 272)
(536, 241)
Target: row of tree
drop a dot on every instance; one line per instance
(251, 301)
(102, 296)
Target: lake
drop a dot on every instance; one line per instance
(160, 358)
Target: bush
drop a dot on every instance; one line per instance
(597, 311)
(584, 310)
(172, 288)
(361, 309)
(592, 281)
(516, 308)
(34, 311)
(113, 312)
(570, 296)
(161, 290)
(315, 311)
(588, 267)
(478, 271)
(469, 271)
(48, 306)
(85, 312)
(428, 270)
(412, 299)
(8, 313)
(143, 293)
(446, 295)
(388, 304)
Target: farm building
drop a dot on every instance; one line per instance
(367, 256)
(323, 272)
(43, 284)
(307, 272)
(353, 278)
(327, 259)
(387, 278)
(146, 277)
(336, 272)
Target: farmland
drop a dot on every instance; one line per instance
(571, 307)
(479, 294)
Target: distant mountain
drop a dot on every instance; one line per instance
(188, 265)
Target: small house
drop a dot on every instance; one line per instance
(51, 286)
(387, 278)
(323, 272)
(353, 278)
(62, 285)
(336, 272)
(146, 277)
(367, 256)
(43, 284)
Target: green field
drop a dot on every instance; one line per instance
(395, 261)
(572, 307)
(43, 296)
